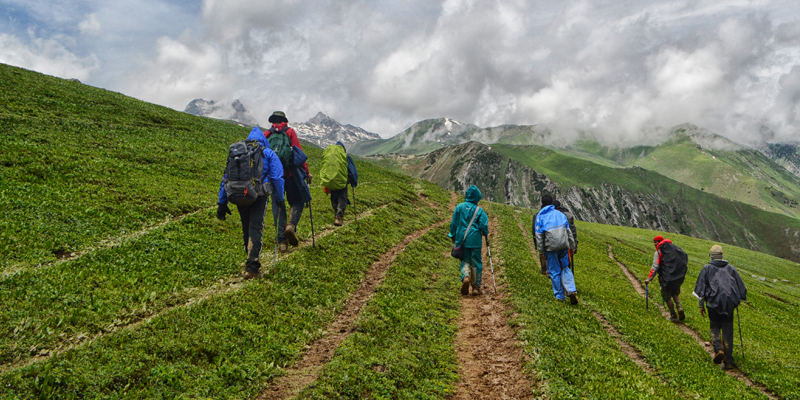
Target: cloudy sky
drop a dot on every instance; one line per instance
(614, 68)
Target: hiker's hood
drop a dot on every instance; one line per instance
(658, 246)
(257, 134)
(342, 144)
(718, 263)
(473, 194)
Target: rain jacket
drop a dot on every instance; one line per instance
(461, 217)
(352, 172)
(571, 221)
(552, 231)
(294, 141)
(720, 286)
(669, 262)
(273, 170)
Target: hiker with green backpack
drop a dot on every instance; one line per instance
(252, 173)
(468, 224)
(284, 143)
(337, 172)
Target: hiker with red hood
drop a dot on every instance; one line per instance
(283, 140)
(669, 262)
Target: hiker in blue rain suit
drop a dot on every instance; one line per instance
(252, 216)
(553, 241)
(472, 262)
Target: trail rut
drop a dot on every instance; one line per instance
(317, 354)
(490, 356)
(637, 285)
(197, 295)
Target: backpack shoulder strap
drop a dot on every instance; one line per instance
(475, 214)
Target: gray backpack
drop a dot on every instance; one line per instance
(243, 172)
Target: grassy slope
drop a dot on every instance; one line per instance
(768, 324)
(80, 165)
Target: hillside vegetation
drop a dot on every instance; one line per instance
(149, 302)
(636, 197)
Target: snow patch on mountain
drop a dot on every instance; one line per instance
(323, 131)
(235, 111)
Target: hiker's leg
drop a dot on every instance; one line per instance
(464, 267)
(671, 306)
(343, 202)
(715, 324)
(554, 270)
(244, 216)
(477, 266)
(567, 278)
(279, 214)
(256, 231)
(727, 337)
(295, 214)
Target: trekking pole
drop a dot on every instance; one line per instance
(275, 222)
(311, 214)
(491, 266)
(741, 340)
(355, 203)
(646, 298)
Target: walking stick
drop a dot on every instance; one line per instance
(646, 298)
(311, 214)
(355, 204)
(491, 266)
(275, 222)
(741, 340)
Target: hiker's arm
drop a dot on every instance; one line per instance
(483, 223)
(223, 196)
(453, 226)
(274, 170)
(539, 235)
(571, 239)
(654, 269)
(295, 141)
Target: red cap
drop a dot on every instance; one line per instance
(658, 239)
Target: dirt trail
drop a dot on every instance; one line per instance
(318, 353)
(490, 357)
(196, 296)
(689, 331)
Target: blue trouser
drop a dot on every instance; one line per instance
(472, 266)
(560, 274)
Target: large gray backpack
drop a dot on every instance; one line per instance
(243, 172)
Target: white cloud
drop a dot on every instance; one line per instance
(48, 56)
(90, 25)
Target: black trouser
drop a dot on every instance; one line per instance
(252, 217)
(725, 323)
(295, 200)
(339, 201)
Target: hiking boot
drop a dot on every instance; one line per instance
(291, 237)
(252, 275)
(719, 356)
(338, 221)
(465, 286)
(681, 314)
(728, 366)
(573, 298)
(282, 247)
(673, 317)
(476, 291)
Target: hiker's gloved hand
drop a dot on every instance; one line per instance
(308, 179)
(222, 209)
(647, 281)
(703, 312)
(326, 190)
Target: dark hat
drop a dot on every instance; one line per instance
(277, 117)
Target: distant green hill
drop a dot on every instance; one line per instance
(707, 162)
(637, 197)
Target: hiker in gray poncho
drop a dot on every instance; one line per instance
(720, 289)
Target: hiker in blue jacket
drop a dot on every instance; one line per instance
(553, 241)
(252, 216)
(471, 241)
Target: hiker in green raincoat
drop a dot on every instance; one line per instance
(471, 241)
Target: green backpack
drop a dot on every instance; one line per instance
(281, 145)
(333, 173)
